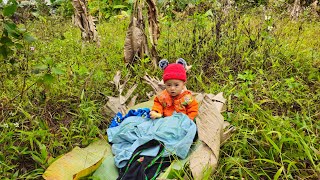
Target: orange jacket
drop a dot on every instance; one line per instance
(184, 103)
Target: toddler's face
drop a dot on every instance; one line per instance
(174, 86)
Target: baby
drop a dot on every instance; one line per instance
(176, 97)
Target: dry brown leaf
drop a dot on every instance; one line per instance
(225, 124)
(314, 5)
(138, 11)
(315, 9)
(219, 101)
(227, 134)
(150, 94)
(154, 31)
(227, 5)
(202, 159)
(116, 79)
(121, 99)
(137, 48)
(93, 30)
(188, 68)
(114, 104)
(130, 91)
(296, 10)
(85, 21)
(154, 56)
(155, 83)
(118, 104)
(210, 125)
(133, 42)
(132, 101)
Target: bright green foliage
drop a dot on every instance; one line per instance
(105, 9)
(266, 65)
(63, 7)
(12, 36)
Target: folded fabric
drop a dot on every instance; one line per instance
(118, 118)
(176, 132)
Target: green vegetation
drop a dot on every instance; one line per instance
(53, 90)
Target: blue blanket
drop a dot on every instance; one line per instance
(118, 118)
(176, 132)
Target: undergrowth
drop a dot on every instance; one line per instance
(267, 66)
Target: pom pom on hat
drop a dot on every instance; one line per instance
(163, 63)
(174, 71)
(183, 62)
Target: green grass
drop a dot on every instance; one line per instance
(270, 78)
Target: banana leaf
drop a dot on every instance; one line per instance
(78, 163)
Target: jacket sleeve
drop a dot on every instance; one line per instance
(192, 109)
(157, 105)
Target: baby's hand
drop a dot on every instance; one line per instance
(154, 115)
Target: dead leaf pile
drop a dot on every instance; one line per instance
(120, 103)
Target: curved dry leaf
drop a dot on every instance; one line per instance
(219, 101)
(188, 68)
(227, 134)
(154, 31)
(133, 41)
(154, 83)
(150, 94)
(127, 96)
(210, 125)
(202, 159)
(317, 152)
(114, 104)
(132, 101)
(154, 56)
(121, 86)
(116, 79)
(210, 130)
(227, 6)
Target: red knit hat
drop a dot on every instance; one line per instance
(174, 71)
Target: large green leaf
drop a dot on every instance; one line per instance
(28, 38)
(147, 104)
(78, 163)
(48, 79)
(10, 9)
(119, 7)
(5, 51)
(10, 27)
(107, 170)
(57, 71)
(176, 169)
(7, 41)
(12, 30)
(40, 67)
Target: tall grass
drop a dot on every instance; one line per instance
(268, 69)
